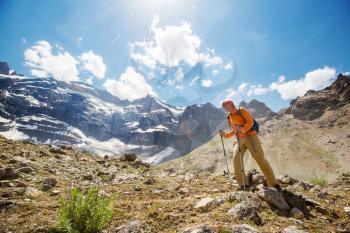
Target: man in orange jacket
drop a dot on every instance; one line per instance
(242, 122)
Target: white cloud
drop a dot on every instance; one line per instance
(44, 63)
(257, 90)
(242, 88)
(94, 64)
(207, 83)
(231, 93)
(228, 66)
(171, 46)
(89, 80)
(313, 80)
(130, 85)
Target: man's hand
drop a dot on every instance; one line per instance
(239, 131)
(222, 133)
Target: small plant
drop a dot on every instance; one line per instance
(320, 179)
(84, 213)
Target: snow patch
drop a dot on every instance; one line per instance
(14, 134)
(4, 120)
(160, 156)
(155, 129)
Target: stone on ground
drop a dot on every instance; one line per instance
(244, 228)
(274, 198)
(203, 228)
(246, 210)
(292, 229)
(204, 203)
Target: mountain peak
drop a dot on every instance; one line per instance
(258, 109)
(314, 103)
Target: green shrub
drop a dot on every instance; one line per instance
(81, 213)
(320, 179)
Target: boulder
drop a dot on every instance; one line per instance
(347, 210)
(48, 183)
(184, 191)
(25, 170)
(150, 181)
(246, 210)
(203, 228)
(131, 227)
(292, 229)
(129, 157)
(287, 180)
(88, 177)
(205, 203)
(32, 192)
(274, 198)
(244, 228)
(8, 173)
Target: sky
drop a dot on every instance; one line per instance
(181, 51)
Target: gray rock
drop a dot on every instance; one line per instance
(205, 203)
(347, 210)
(292, 229)
(25, 170)
(287, 180)
(296, 213)
(150, 181)
(32, 192)
(244, 228)
(48, 183)
(131, 227)
(203, 228)
(322, 195)
(184, 191)
(6, 205)
(246, 210)
(274, 198)
(130, 157)
(88, 177)
(305, 185)
(8, 173)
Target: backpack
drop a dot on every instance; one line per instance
(255, 126)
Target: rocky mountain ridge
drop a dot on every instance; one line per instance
(75, 113)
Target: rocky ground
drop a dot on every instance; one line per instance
(33, 178)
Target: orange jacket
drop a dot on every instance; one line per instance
(244, 120)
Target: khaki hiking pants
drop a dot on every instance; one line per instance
(253, 144)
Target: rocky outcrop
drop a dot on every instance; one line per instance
(315, 103)
(258, 109)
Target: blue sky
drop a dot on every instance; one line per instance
(184, 52)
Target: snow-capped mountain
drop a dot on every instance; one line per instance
(57, 112)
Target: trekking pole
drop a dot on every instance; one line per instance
(241, 160)
(223, 147)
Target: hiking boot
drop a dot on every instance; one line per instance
(278, 187)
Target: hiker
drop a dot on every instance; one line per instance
(242, 123)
